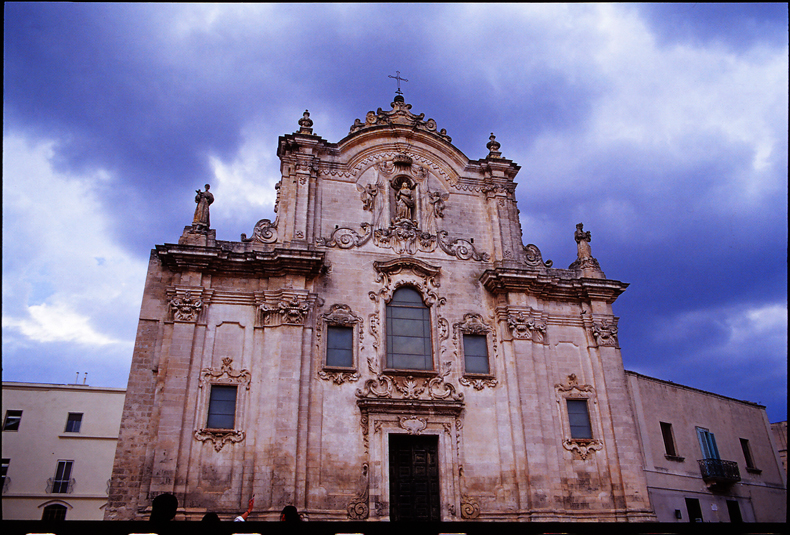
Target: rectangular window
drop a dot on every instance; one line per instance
(62, 477)
(669, 439)
(707, 443)
(12, 420)
(74, 422)
(579, 418)
(222, 407)
(475, 353)
(340, 346)
(747, 453)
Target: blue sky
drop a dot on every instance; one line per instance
(662, 127)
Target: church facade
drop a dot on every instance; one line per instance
(386, 349)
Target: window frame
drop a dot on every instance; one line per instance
(14, 419)
(431, 339)
(473, 325)
(4, 466)
(48, 510)
(748, 456)
(670, 445)
(78, 422)
(224, 375)
(68, 480)
(707, 442)
(573, 391)
(342, 316)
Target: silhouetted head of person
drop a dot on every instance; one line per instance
(290, 514)
(210, 517)
(164, 507)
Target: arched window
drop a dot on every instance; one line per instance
(408, 332)
(55, 511)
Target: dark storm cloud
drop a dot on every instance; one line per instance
(738, 25)
(655, 150)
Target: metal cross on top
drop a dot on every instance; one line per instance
(399, 79)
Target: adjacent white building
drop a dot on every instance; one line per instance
(707, 457)
(58, 447)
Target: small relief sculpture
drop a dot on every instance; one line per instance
(186, 308)
(412, 424)
(605, 333)
(203, 200)
(525, 328)
(230, 375)
(288, 311)
(582, 447)
(478, 384)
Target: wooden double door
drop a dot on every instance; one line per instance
(414, 477)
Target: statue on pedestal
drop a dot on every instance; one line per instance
(203, 200)
(582, 242)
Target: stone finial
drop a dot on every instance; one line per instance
(305, 124)
(493, 147)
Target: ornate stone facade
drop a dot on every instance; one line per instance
(297, 324)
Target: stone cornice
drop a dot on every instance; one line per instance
(411, 406)
(277, 262)
(503, 280)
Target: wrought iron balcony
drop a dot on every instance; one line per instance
(719, 471)
(60, 486)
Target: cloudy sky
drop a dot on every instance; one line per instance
(662, 127)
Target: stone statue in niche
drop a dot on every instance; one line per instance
(583, 242)
(203, 200)
(404, 201)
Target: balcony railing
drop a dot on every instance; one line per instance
(60, 486)
(719, 471)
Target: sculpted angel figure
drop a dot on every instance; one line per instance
(582, 242)
(203, 200)
(437, 199)
(368, 194)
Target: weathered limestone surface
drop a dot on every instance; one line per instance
(393, 204)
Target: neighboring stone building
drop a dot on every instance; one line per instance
(387, 348)
(58, 448)
(707, 456)
(779, 430)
